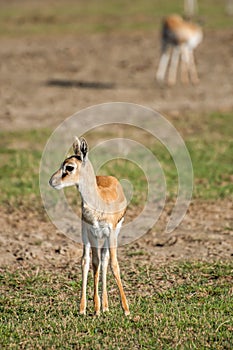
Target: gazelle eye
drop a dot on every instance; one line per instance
(69, 168)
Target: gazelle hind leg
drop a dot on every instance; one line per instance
(193, 69)
(116, 272)
(185, 65)
(172, 74)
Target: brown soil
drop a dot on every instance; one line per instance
(43, 81)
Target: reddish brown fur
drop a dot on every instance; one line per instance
(181, 29)
(109, 188)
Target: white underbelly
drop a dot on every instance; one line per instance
(195, 40)
(101, 230)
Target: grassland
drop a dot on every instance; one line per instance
(184, 306)
(211, 153)
(98, 16)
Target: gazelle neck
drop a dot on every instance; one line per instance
(87, 185)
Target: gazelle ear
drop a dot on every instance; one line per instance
(83, 148)
(76, 146)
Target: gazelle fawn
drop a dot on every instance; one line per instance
(181, 37)
(103, 209)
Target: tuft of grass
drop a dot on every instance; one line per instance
(185, 305)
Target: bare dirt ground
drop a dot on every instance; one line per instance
(205, 234)
(43, 81)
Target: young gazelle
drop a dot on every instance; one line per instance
(103, 209)
(183, 37)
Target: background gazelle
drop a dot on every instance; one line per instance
(182, 37)
(103, 209)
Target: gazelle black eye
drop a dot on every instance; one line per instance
(69, 168)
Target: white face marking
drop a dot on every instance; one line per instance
(63, 185)
(65, 176)
(69, 167)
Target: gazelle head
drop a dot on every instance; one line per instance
(68, 174)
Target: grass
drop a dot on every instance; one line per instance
(184, 306)
(210, 147)
(180, 306)
(98, 16)
(20, 158)
(211, 152)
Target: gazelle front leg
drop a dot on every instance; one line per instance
(85, 269)
(104, 265)
(163, 65)
(96, 273)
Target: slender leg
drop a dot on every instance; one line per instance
(96, 272)
(185, 64)
(104, 264)
(85, 269)
(116, 271)
(174, 66)
(163, 64)
(193, 69)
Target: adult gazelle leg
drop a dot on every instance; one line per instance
(116, 271)
(185, 64)
(104, 265)
(163, 64)
(193, 69)
(172, 74)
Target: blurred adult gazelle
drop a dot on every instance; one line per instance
(182, 37)
(103, 209)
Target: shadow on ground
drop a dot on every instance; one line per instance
(80, 84)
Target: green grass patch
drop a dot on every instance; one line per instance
(211, 149)
(183, 306)
(19, 169)
(208, 138)
(210, 146)
(213, 168)
(96, 16)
